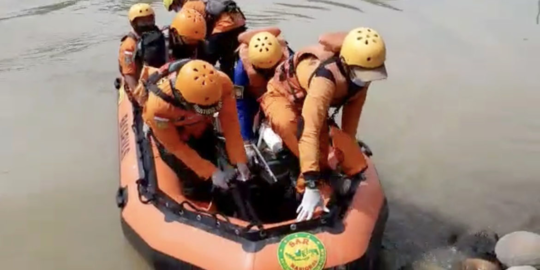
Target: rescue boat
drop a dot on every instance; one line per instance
(172, 232)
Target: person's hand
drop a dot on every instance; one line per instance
(221, 178)
(250, 152)
(244, 172)
(311, 200)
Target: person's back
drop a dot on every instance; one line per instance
(179, 112)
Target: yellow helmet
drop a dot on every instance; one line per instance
(140, 10)
(167, 4)
(364, 52)
(265, 51)
(200, 85)
(190, 24)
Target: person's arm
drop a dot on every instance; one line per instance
(140, 93)
(126, 62)
(352, 111)
(314, 113)
(243, 104)
(164, 130)
(228, 119)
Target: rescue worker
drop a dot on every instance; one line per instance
(182, 99)
(259, 53)
(225, 21)
(334, 73)
(186, 37)
(145, 44)
(186, 34)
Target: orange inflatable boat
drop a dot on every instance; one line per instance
(172, 232)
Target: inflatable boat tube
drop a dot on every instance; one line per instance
(174, 233)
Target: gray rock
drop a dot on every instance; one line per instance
(518, 249)
(521, 268)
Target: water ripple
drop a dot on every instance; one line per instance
(58, 51)
(41, 10)
(302, 6)
(337, 4)
(381, 3)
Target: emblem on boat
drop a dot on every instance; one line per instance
(301, 251)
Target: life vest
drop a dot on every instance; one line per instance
(326, 51)
(164, 78)
(151, 48)
(257, 82)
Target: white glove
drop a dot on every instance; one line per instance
(250, 152)
(244, 172)
(311, 200)
(221, 178)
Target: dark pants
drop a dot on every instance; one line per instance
(193, 187)
(222, 47)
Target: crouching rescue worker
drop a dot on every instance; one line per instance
(259, 53)
(186, 38)
(144, 45)
(334, 73)
(225, 21)
(179, 111)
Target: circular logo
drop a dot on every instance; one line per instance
(301, 251)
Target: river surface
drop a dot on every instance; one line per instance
(455, 129)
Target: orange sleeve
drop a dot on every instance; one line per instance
(126, 57)
(140, 94)
(228, 119)
(351, 113)
(157, 115)
(315, 113)
(228, 21)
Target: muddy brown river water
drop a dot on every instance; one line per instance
(455, 129)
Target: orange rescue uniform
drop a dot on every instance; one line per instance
(126, 55)
(173, 126)
(305, 87)
(224, 22)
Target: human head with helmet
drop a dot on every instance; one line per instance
(142, 18)
(363, 54)
(200, 87)
(188, 27)
(265, 51)
(175, 5)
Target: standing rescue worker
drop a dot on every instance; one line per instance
(145, 44)
(179, 112)
(259, 53)
(225, 21)
(186, 37)
(334, 73)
